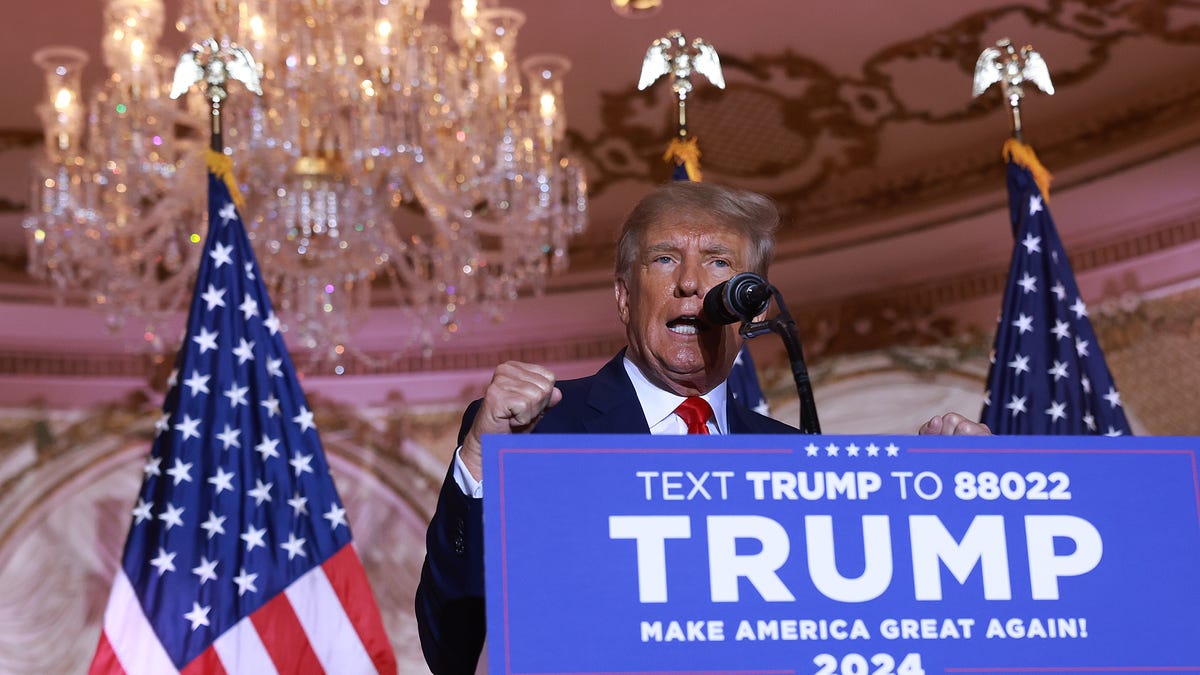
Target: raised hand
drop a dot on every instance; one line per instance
(516, 398)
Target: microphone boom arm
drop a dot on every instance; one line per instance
(783, 325)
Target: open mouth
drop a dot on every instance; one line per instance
(686, 325)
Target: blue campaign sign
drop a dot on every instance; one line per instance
(842, 555)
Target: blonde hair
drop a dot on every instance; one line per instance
(752, 214)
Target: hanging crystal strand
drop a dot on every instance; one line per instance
(381, 144)
(495, 114)
(252, 130)
(132, 129)
(61, 178)
(134, 123)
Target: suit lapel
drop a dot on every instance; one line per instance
(613, 402)
(740, 419)
(733, 414)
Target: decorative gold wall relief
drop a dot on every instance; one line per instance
(830, 146)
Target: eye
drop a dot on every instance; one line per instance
(721, 262)
(663, 260)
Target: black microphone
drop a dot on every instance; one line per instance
(741, 298)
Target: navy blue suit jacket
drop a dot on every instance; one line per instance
(449, 603)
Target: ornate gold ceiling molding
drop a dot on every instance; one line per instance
(809, 135)
(914, 315)
(789, 125)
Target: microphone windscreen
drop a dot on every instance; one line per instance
(715, 309)
(741, 298)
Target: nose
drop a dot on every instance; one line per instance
(688, 279)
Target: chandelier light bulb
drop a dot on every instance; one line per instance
(257, 30)
(63, 101)
(547, 108)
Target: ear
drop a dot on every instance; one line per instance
(621, 291)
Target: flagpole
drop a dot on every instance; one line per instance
(216, 141)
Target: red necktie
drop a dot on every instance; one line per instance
(695, 412)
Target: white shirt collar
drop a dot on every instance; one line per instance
(658, 405)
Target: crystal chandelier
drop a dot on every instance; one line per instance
(386, 154)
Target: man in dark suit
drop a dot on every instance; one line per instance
(676, 244)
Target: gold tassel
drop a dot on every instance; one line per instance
(686, 153)
(1018, 152)
(221, 166)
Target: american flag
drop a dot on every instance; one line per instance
(1048, 375)
(744, 386)
(239, 557)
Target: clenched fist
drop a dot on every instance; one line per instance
(516, 398)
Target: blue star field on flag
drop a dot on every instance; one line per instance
(1048, 374)
(237, 502)
(743, 383)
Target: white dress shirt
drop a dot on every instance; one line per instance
(659, 405)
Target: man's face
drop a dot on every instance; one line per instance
(679, 259)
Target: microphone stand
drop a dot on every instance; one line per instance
(784, 326)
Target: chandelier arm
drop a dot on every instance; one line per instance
(367, 109)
